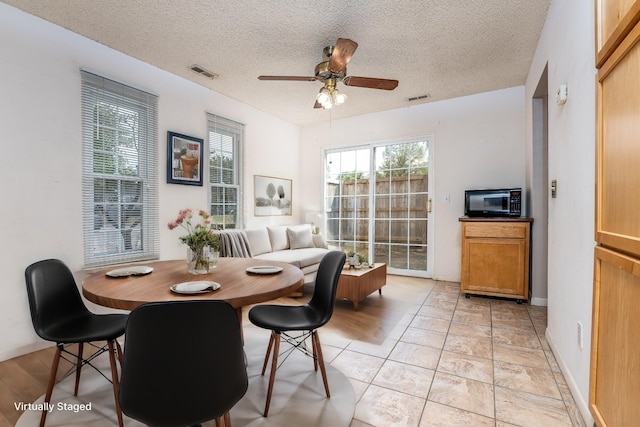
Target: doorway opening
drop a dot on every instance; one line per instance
(538, 203)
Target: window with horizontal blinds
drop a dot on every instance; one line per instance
(119, 176)
(225, 171)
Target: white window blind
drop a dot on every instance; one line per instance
(225, 166)
(119, 178)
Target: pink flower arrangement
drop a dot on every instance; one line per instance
(197, 236)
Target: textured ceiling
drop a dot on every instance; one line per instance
(444, 48)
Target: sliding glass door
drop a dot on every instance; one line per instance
(347, 197)
(377, 200)
(401, 205)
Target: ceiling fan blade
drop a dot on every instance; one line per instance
(341, 55)
(317, 105)
(370, 82)
(288, 78)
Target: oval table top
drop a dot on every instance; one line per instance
(238, 287)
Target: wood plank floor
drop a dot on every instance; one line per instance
(24, 378)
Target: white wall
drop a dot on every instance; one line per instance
(478, 142)
(567, 46)
(40, 177)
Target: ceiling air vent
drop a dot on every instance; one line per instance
(200, 70)
(419, 97)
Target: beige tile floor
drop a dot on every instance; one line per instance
(453, 361)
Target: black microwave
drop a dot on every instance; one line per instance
(489, 203)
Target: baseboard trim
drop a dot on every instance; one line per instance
(542, 302)
(25, 349)
(445, 278)
(583, 406)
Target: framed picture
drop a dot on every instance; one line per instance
(184, 159)
(272, 196)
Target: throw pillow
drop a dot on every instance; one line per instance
(278, 238)
(300, 238)
(259, 241)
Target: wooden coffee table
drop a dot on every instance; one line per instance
(354, 285)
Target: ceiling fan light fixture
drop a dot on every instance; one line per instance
(333, 70)
(329, 97)
(324, 96)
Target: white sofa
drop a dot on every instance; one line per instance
(292, 244)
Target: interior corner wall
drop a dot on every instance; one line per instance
(478, 142)
(40, 178)
(566, 47)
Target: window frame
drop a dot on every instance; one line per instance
(220, 182)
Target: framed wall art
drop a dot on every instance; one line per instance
(272, 196)
(184, 159)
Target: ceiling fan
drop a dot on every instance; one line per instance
(333, 70)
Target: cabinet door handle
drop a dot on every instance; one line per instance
(429, 206)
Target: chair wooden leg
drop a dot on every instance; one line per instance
(315, 352)
(274, 366)
(119, 351)
(321, 362)
(224, 421)
(52, 380)
(266, 356)
(116, 383)
(78, 368)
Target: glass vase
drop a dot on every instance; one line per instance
(198, 260)
(213, 258)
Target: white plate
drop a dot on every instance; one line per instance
(264, 269)
(189, 288)
(136, 270)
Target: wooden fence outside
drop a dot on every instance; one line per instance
(400, 216)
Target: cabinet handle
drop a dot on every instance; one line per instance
(429, 206)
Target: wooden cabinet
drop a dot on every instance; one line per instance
(615, 356)
(614, 20)
(495, 257)
(614, 383)
(618, 142)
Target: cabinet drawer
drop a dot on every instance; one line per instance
(496, 229)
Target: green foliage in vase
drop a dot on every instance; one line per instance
(198, 236)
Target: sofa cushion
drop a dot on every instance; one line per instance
(259, 241)
(278, 237)
(300, 258)
(300, 238)
(319, 242)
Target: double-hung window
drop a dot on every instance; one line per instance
(119, 178)
(225, 166)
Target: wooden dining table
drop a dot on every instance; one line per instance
(237, 286)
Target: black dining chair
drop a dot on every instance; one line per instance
(306, 318)
(183, 363)
(59, 315)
